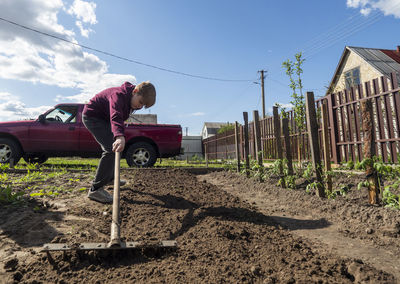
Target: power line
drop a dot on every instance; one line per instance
(331, 31)
(124, 58)
(234, 100)
(341, 31)
(331, 40)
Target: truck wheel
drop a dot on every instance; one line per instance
(141, 154)
(9, 150)
(33, 159)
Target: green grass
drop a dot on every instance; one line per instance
(92, 163)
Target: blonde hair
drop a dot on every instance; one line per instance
(148, 92)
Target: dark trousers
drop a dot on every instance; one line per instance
(101, 131)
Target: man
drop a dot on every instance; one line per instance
(104, 117)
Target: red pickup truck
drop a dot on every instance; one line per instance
(59, 132)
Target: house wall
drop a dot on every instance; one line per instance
(191, 146)
(367, 72)
(204, 133)
(143, 118)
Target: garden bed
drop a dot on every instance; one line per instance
(221, 237)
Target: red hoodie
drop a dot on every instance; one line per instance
(113, 105)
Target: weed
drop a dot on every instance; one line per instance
(313, 186)
(308, 172)
(390, 199)
(341, 191)
(8, 196)
(4, 167)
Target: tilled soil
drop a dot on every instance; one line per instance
(347, 225)
(221, 238)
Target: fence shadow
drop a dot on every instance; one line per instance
(293, 224)
(28, 227)
(195, 214)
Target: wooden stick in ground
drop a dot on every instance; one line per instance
(312, 128)
(237, 142)
(277, 132)
(288, 149)
(325, 139)
(257, 137)
(206, 155)
(246, 142)
(299, 148)
(369, 151)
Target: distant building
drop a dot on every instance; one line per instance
(192, 146)
(211, 128)
(143, 118)
(360, 64)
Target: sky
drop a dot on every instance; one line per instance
(202, 56)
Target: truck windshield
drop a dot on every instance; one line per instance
(65, 114)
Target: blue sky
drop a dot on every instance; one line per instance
(224, 39)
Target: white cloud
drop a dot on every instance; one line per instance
(105, 81)
(31, 57)
(287, 107)
(84, 32)
(5, 96)
(11, 108)
(84, 11)
(388, 7)
(357, 3)
(365, 11)
(197, 114)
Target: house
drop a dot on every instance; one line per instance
(192, 146)
(211, 128)
(359, 64)
(143, 118)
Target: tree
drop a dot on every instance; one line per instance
(294, 70)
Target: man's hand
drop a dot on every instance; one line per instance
(119, 144)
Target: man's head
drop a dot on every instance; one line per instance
(144, 95)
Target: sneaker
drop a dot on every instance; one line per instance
(122, 182)
(100, 195)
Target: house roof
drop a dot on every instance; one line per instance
(214, 124)
(378, 59)
(385, 61)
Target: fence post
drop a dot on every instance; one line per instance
(313, 137)
(257, 137)
(334, 128)
(226, 145)
(369, 150)
(216, 147)
(246, 142)
(237, 146)
(325, 139)
(288, 149)
(277, 132)
(205, 154)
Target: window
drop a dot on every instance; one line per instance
(62, 114)
(352, 77)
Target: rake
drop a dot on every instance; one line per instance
(115, 242)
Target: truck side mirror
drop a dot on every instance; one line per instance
(42, 119)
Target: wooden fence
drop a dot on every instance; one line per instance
(345, 127)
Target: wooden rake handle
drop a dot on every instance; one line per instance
(115, 225)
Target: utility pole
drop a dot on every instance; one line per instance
(262, 92)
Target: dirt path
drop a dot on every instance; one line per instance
(315, 223)
(221, 239)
